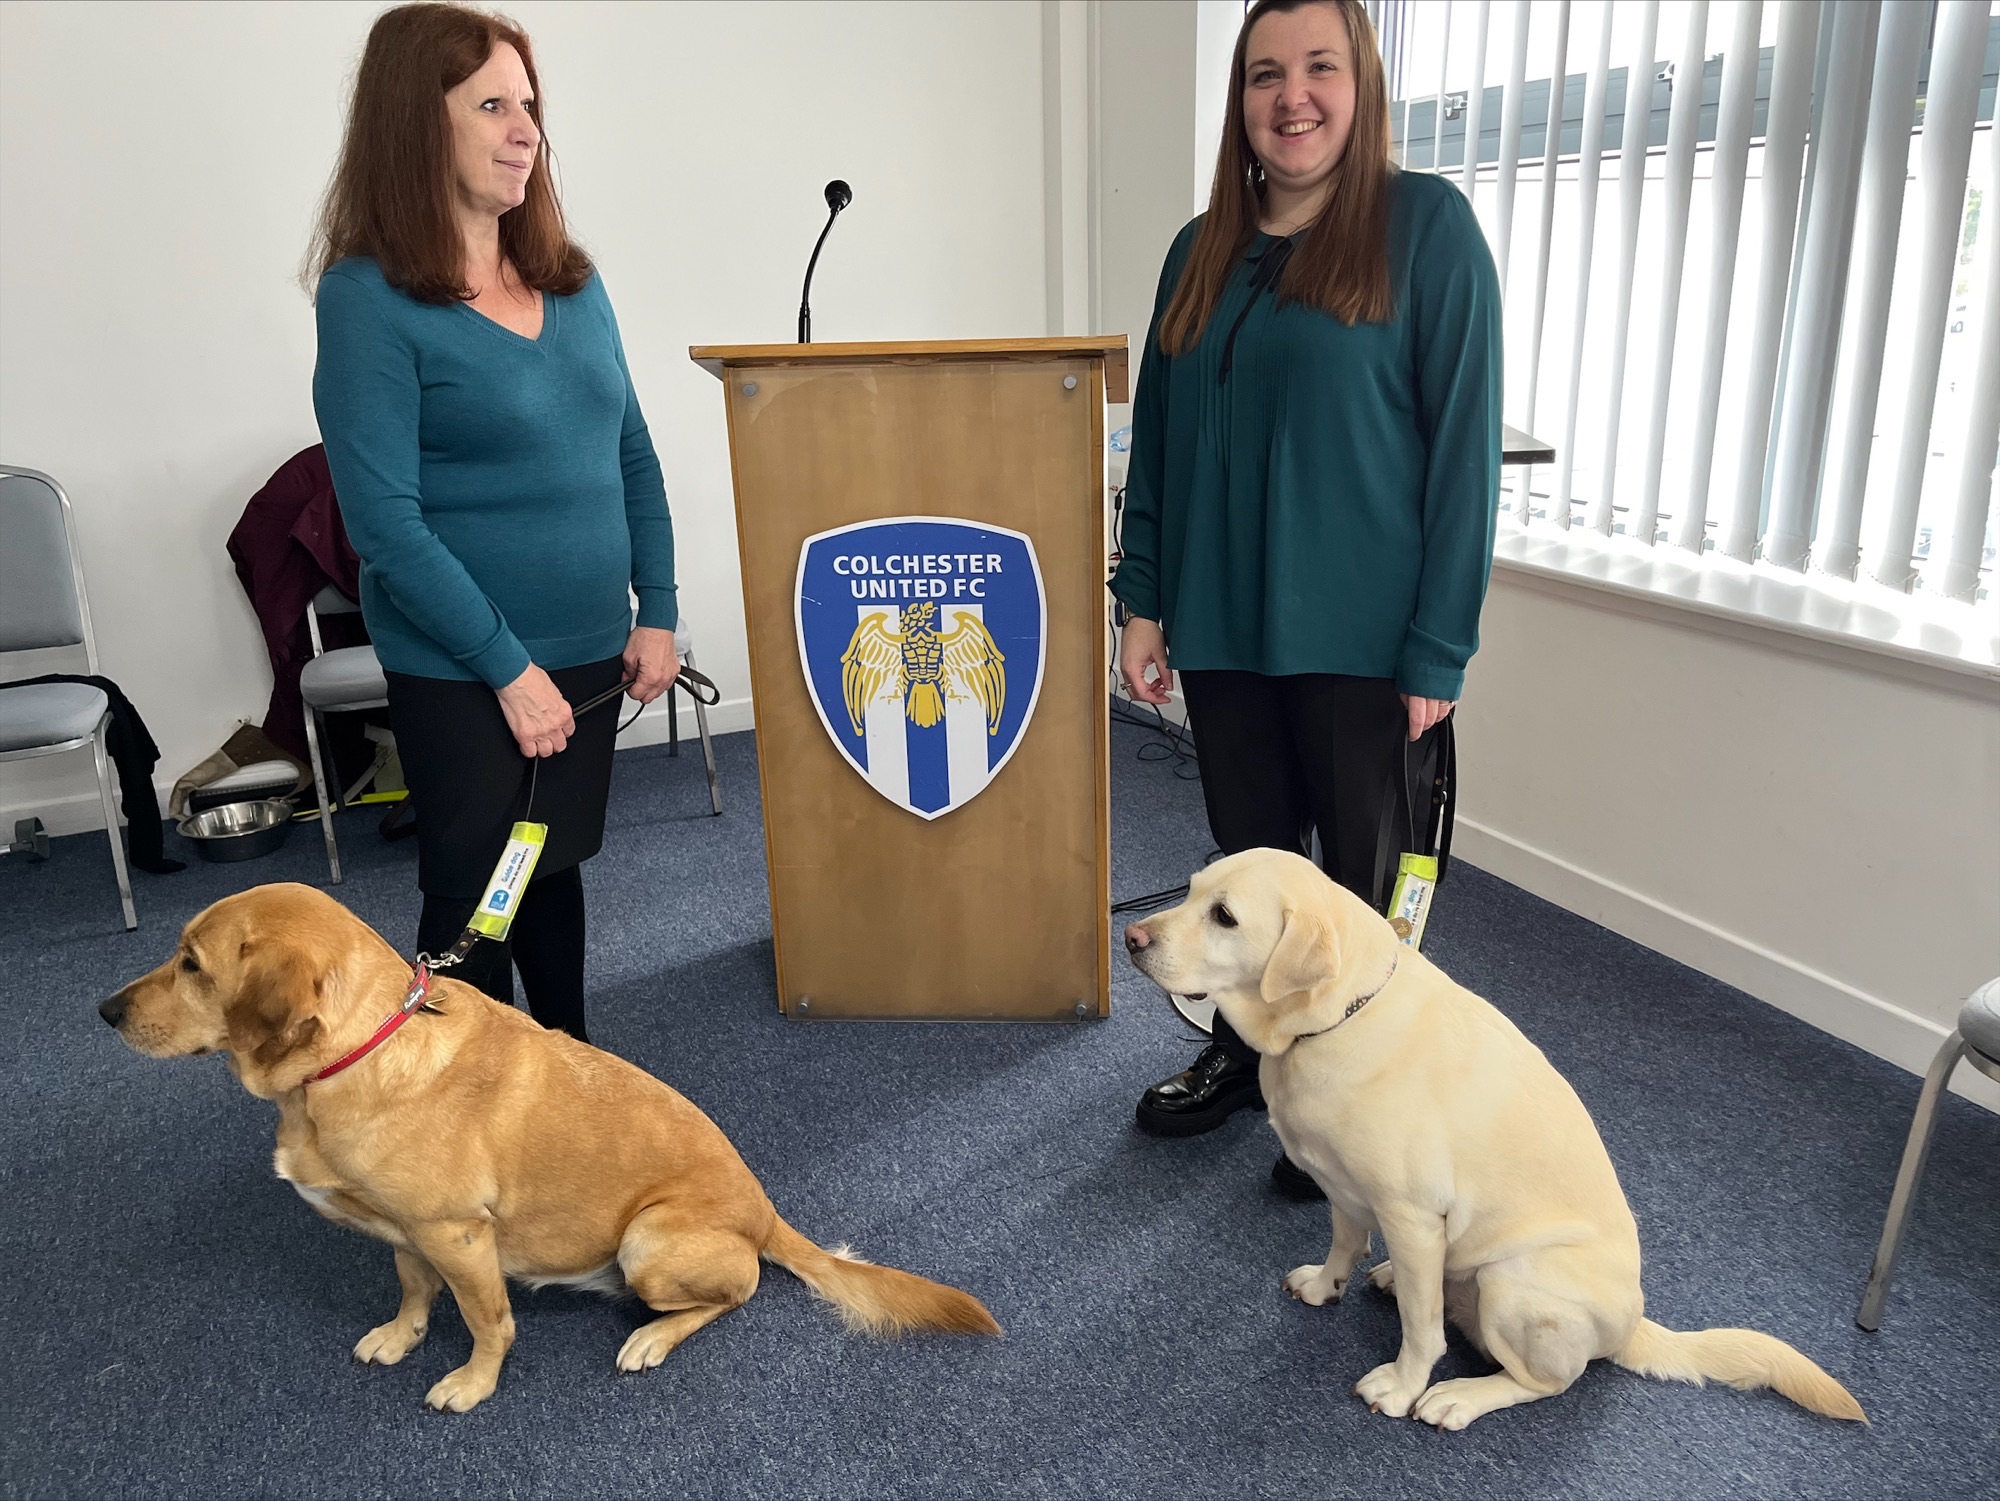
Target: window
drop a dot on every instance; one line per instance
(1758, 316)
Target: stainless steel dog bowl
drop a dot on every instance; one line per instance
(239, 831)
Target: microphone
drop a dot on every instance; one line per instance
(838, 196)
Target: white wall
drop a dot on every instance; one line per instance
(1162, 69)
(159, 165)
(1818, 826)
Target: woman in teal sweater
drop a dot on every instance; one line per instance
(1309, 514)
(495, 475)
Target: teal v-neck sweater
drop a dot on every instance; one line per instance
(502, 491)
(1328, 504)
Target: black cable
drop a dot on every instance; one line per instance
(1173, 743)
(1151, 899)
(1154, 899)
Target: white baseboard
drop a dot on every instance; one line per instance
(83, 812)
(76, 813)
(1869, 1022)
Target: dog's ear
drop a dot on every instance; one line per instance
(1307, 955)
(275, 1010)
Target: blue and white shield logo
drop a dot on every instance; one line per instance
(922, 639)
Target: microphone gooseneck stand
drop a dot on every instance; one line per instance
(838, 196)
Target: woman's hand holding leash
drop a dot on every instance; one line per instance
(1140, 646)
(537, 713)
(1425, 712)
(651, 663)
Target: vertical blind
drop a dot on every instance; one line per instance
(1783, 342)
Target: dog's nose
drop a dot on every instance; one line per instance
(1136, 938)
(114, 1009)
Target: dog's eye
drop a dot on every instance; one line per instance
(190, 964)
(1222, 915)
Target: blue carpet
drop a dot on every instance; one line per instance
(177, 1322)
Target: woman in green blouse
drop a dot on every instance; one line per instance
(1309, 513)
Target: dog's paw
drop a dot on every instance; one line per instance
(1382, 1277)
(647, 1346)
(461, 1390)
(388, 1343)
(1385, 1391)
(1317, 1285)
(1450, 1405)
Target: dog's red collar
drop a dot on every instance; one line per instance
(415, 999)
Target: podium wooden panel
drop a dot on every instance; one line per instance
(998, 910)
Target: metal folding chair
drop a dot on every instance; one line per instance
(684, 649)
(348, 677)
(1977, 1041)
(42, 606)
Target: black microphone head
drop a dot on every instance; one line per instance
(838, 195)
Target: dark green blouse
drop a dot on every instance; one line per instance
(1316, 498)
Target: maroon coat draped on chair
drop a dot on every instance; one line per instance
(287, 546)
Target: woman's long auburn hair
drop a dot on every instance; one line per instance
(1342, 266)
(394, 193)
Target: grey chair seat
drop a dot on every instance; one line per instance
(350, 675)
(48, 714)
(1979, 1019)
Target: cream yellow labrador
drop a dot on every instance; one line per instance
(482, 1146)
(1426, 1115)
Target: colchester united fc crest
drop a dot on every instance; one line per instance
(922, 642)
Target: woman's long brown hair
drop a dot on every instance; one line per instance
(1342, 265)
(394, 192)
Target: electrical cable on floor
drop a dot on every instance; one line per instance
(1150, 900)
(1171, 743)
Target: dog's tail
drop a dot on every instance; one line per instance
(1741, 1358)
(879, 1299)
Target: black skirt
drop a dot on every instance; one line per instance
(470, 781)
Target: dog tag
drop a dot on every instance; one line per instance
(495, 914)
(1410, 907)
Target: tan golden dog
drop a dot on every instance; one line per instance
(1426, 1115)
(482, 1146)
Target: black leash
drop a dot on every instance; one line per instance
(1437, 753)
(697, 685)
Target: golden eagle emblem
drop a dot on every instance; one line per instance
(922, 667)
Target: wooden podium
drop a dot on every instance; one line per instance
(998, 909)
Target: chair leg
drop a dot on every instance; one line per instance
(1915, 1151)
(674, 718)
(319, 787)
(374, 770)
(111, 829)
(707, 750)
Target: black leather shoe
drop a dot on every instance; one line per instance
(1201, 1096)
(1294, 1182)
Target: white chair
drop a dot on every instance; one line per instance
(1977, 1041)
(333, 682)
(43, 606)
(684, 649)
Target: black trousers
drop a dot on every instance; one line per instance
(545, 944)
(470, 781)
(1283, 757)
